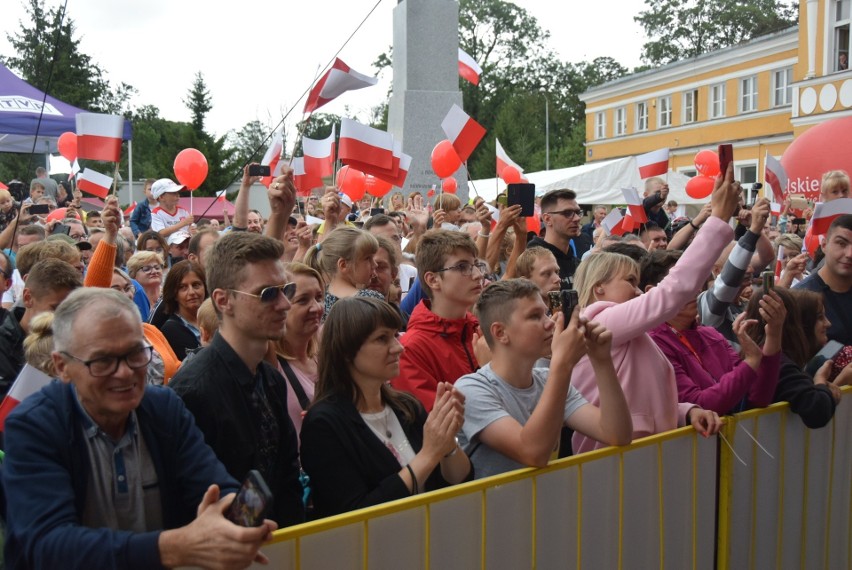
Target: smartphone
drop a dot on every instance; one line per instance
(799, 221)
(253, 503)
(39, 209)
(259, 170)
(726, 157)
(570, 299)
(502, 200)
(61, 229)
(523, 194)
(376, 211)
(768, 281)
(555, 301)
(828, 352)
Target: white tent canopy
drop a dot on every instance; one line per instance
(595, 182)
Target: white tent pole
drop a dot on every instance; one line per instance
(130, 171)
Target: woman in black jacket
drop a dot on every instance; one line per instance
(364, 443)
(183, 293)
(804, 333)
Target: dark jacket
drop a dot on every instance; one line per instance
(45, 477)
(349, 467)
(140, 218)
(814, 403)
(216, 386)
(181, 339)
(659, 217)
(567, 262)
(11, 348)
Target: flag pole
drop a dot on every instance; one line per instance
(115, 181)
(469, 179)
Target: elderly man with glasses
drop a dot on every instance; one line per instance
(102, 471)
(561, 215)
(238, 399)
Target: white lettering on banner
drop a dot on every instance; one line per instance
(807, 186)
(26, 105)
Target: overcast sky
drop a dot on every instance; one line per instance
(259, 56)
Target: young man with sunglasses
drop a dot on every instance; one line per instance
(238, 399)
(561, 215)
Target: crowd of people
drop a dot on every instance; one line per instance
(401, 345)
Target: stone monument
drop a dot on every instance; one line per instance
(425, 84)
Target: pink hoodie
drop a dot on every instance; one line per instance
(645, 374)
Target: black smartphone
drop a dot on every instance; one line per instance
(523, 194)
(61, 229)
(555, 301)
(799, 221)
(39, 209)
(259, 170)
(376, 211)
(726, 157)
(253, 503)
(828, 352)
(570, 299)
(768, 281)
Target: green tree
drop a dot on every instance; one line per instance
(681, 29)
(250, 143)
(199, 102)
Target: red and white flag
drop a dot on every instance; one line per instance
(779, 261)
(775, 208)
(463, 132)
(827, 212)
(654, 163)
(634, 205)
(304, 182)
(29, 381)
(319, 155)
(75, 168)
(365, 145)
(613, 223)
(503, 160)
(221, 195)
(336, 81)
(94, 182)
(271, 158)
(99, 136)
(129, 209)
(468, 68)
(776, 177)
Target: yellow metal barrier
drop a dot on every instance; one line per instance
(652, 504)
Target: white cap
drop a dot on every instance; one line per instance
(178, 237)
(164, 185)
(346, 200)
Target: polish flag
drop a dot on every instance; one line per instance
(99, 136)
(654, 163)
(365, 144)
(827, 212)
(94, 182)
(775, 209)
(634, 204)
(613, 223)
(221, 195)
(779, 262)
(29, 381)
(319, 155)
(468, 68)
(130, 208)
(463, 132)
(503, 160)
(336, 81)
(397, 172)
(776, 177)
(75, 168)
(304, 182)
(271, 158)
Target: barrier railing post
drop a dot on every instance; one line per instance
(725, 493)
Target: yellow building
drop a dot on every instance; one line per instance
(758, 96)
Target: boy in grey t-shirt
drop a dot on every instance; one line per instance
(514, 412)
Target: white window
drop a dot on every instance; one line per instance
(746, 173)
(600, 125)
(840, 50)
(748, 94)
(621, 121)
(642, 116)
(782, 87)
(717, 101)
(664, 108)
(690, 106)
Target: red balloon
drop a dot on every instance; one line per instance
(57, 214)
(445, 159)
(449, 185)
(699, 187)
(707, 163)
(190, 168)
(68, 146)
(821, 148)
(376, 187)
(534, 223)
(511, 175)
(351, 182)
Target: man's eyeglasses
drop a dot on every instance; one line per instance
(150, 268)
(270, 294)
(126, 289)
(79, 237)
(107, 365)
(466, 269)
(568, 213)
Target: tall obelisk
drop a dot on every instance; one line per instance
(425, 84)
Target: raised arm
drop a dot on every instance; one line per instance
(282, 200)
(241, 204)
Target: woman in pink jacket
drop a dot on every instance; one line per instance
(609, 293)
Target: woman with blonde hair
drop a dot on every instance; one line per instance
(146, 267)
(38, 345)
(346, 261)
